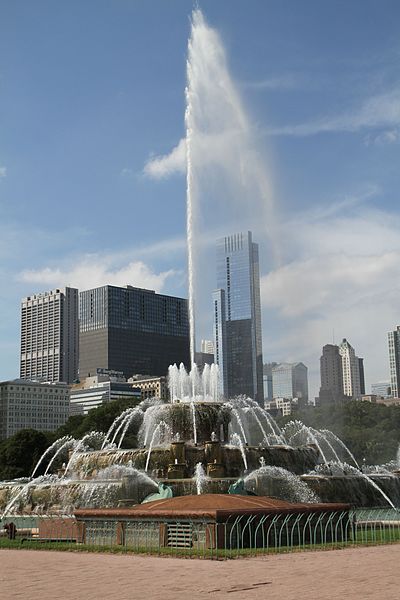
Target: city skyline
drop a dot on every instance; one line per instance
(81, 202)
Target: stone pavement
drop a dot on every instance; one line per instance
(354, 573)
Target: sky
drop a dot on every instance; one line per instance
(92, 179)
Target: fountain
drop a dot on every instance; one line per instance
(198, 443)
(194, 445)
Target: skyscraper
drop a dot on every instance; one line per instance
(394, 360)
(132, 330)
(49, 336)
(342, 373)
(290, 380)
(331, 375)
(350, 370)
(237, 317)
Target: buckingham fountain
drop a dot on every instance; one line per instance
(196, 443)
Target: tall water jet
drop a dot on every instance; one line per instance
(189, 208)
(225, 171)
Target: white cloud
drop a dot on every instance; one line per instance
(382, 110)
(159, 167)
(390, 136)
(341, 276)
(95, 270)
(3, 172)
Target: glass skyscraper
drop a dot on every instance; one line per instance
(290, 380)
(237, 317)
(132, 330)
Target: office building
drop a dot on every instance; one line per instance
(28, 404)
(206, 354)
(267, 380)
(104, 387)
(350, 370)
(131, 330)
(207, 347)
(151, 386)
(50, 336)
(381, 389)
(237, 317)
(331, 390)
(289, 381)
(361, 375)
(342, 374)
(282, 407)
(394, 360)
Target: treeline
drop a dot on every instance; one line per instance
(370, 431)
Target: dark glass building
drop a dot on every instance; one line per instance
(132, 330)
(237, 317)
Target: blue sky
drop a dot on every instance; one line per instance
(91, 91)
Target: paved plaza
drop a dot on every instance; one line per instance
(360, 573)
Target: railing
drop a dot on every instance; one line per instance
(237, 535)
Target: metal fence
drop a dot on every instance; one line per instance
(203, 538)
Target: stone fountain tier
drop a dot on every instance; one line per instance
(355, 489)
(228, 459)
(210, 417)
(62, 496)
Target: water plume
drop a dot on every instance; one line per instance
(225, 173)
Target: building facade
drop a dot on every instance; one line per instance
(237, 317)
(267, 380)
(394, 360)
(350, 370)
(50, 336)
(331, 390)
(207, 347)
(131, 330)
(290, 380)
(28, 404)
(100, 389)
(151, 387)
(382, 389)
(342, 374)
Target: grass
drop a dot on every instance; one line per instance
(364, 537)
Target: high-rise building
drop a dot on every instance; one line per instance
(394, 360)
(350, 370)
(342, 373)
(50, 336)
(331, 389)
(132, 330)
(207, 347)
(267, 380)
(362, 376)
(290, 380)
(28, 404)
(237, 317)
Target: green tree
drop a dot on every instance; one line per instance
(371, 431)
(97, 419)
(20, 453)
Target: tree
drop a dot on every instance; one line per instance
(370, 431)
(97, 419)
(20, 453)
